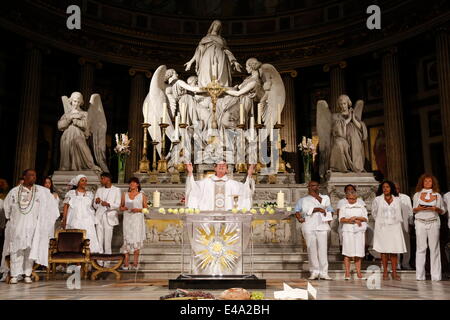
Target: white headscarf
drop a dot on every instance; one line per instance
(75, 180)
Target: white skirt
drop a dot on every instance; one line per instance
(134, 233)
(353, 244)
(389, 238)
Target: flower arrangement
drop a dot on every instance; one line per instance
(268, 204)
(122, 149)
(308, 150)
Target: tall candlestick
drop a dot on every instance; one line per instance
(252, 128)
(260, 111)
(156, 199)
(164, 112)
(183, 112)
(241, 114)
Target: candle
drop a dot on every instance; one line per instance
(280, 200)
(271, 134)
(145, 111)
(156, 199)
(241, 113)
(252, 128)
(155, 124)
(279, 113)
(164, 112)
(183, 112)
(260, 111)
(177, 125)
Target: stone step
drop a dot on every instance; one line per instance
(268, 274)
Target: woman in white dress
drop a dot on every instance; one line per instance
(48, 183)
(134, 234)
(388, 235)
(353, 218)
(78, 212)
(427, 206)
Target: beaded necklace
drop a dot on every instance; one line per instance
(29, 207)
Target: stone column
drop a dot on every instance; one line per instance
(288, 117)
(393, 119)
(443, 72)
(27, 131)
(337, 81)
(87, 73)
(138, 92)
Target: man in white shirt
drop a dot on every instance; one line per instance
(31, 211)
(408, 216)
(316, 212)
(217, 192)
(106, 204)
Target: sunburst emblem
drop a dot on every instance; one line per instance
(218, 244)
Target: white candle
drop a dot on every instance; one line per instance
(145, 111)
(177, 126)
(155, 124)
(271, 134)
(279, 113)
(241, 113)
(183, 112)
(252, 128)
(156, 199)
(280, 200)
(260, 111)
(164, 112)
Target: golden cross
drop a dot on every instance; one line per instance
(214, 90)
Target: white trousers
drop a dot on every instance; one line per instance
(316, 242)
(20, 263)
(428, 232)
(104, 234)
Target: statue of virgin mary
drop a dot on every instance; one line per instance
(213, 59)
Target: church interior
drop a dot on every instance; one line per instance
(399, 74)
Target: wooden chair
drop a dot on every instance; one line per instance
(69, 246)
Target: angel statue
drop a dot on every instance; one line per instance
(213, 59)
(341, 136)
(264, 85)
(166, 87)
(78, 126)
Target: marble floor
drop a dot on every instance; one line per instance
(153, 289)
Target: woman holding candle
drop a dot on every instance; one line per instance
(388, 235)
(427, 206)
(134, 233)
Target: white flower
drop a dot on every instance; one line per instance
(175, 211)
(162, 210)
(253, 211)
(145, 211)
(181, 210)
(234, 210)
(271, 211)
(244, 210)
(262, 210)
(288, 209)
(170, 210)
(197, 211)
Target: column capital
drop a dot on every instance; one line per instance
(85, 60)
(390, 51)
(32, 45)
(340, 64)
(133, 70)
(293, 73)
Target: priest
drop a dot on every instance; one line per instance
(217, 192)
(31, 211)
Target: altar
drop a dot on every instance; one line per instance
(218, 242)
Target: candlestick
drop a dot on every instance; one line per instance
(241, 114)
(144, 164)
(156, 199)
(162, 163)
(280, 200)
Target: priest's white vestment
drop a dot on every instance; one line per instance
(214, 193)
